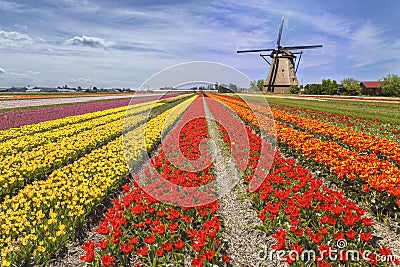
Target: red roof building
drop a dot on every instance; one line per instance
(371, 88)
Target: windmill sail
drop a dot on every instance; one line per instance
(282, 71)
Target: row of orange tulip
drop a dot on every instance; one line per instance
(361, 141)
(380, 174)
(375, 127)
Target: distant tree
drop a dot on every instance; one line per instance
(260, 84)
(312, 89)
(352, 86)
(391, 85)
(329, 87)
(253, 86)
(294, 89)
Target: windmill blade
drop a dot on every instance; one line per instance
(278, 41)
(254, 50)
(302, 47)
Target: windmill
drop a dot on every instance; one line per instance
(283, 67)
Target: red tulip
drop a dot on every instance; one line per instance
(107, 260)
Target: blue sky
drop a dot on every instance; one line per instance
(121, 43)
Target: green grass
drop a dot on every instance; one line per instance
(387, 112)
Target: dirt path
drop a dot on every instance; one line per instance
(245, 242)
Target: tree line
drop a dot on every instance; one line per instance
(390, 86)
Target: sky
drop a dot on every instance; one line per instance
(121, 43)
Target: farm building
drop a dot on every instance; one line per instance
(371, 88)
(17, 89)
(45, 89)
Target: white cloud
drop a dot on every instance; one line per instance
(10, 6)
(369, 46)
(319, 20)
(21, 27)
(29, 72)
(14, 38)
(89, 41)
(326, 22)
(75, 6)
(18, 77)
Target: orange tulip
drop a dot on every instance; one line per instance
(366, 188)
(345, 161)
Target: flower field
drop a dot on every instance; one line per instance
(355, 161)
(19, 117)
(314, 181)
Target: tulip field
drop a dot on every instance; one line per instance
(138, 183)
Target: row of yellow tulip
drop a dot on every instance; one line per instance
(42, 216)
(19, 169)
(57, 148)
(29, 129)
(30, 141)
(144, 139)
(55, 125)
(380, 174)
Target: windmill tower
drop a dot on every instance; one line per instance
(283, 67)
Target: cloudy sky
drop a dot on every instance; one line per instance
(121, 43)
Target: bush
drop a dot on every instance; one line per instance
(391, 85)
(352, 86)
(294, 89)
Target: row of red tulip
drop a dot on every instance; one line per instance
(140, 230)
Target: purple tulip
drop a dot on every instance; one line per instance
(17, 118)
